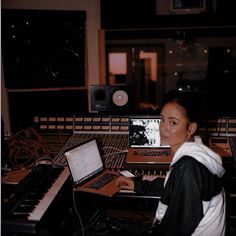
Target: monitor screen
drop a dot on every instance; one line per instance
(188, 6)
(84, 161)
(144, 132)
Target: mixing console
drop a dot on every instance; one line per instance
(97, 123)
(113, 148)
(111, 133)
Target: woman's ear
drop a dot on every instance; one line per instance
(192, 128)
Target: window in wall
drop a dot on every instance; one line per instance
(139, 67)
(148, 76)
(117, 68)
(118, 65)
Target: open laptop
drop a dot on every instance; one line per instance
(144, 142)
(86, 168)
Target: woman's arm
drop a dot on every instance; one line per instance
(183, 196)
(143, 187)
(150, 188)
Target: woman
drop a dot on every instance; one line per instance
(192, 197)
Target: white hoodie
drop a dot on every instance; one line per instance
(213, 221)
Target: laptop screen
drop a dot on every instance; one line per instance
(144, 132)
(84, 161)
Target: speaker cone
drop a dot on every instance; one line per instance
(120, 98)
(100, 95)
(65, 64)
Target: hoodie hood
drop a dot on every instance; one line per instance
(202, 154)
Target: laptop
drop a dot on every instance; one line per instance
(86, 168)
(144, 142)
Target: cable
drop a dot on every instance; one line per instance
(219, 126)
(114, 153)
(42, 160)
(25, 147)
(90, 222)
(77, 213)
(110, 147)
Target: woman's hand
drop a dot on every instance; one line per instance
(125, 182)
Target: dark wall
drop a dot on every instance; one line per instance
(43, 48)
(221, 80)
(121, 14)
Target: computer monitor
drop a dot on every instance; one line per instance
(187, 6)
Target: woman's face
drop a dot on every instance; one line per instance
(174, 128)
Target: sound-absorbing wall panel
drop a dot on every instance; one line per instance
(43, 48)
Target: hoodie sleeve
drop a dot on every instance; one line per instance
(152, 188)
(183, 198)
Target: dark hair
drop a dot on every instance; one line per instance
(188, 101)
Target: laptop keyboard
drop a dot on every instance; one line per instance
(103, 180)
(151, 152)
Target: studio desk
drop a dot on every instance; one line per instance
(49, 189)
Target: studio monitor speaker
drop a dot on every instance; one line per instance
(109, 98)
(43, 48)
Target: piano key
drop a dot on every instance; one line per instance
(22, 215)
(24, 208)
(49, 196)
(30, 202)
